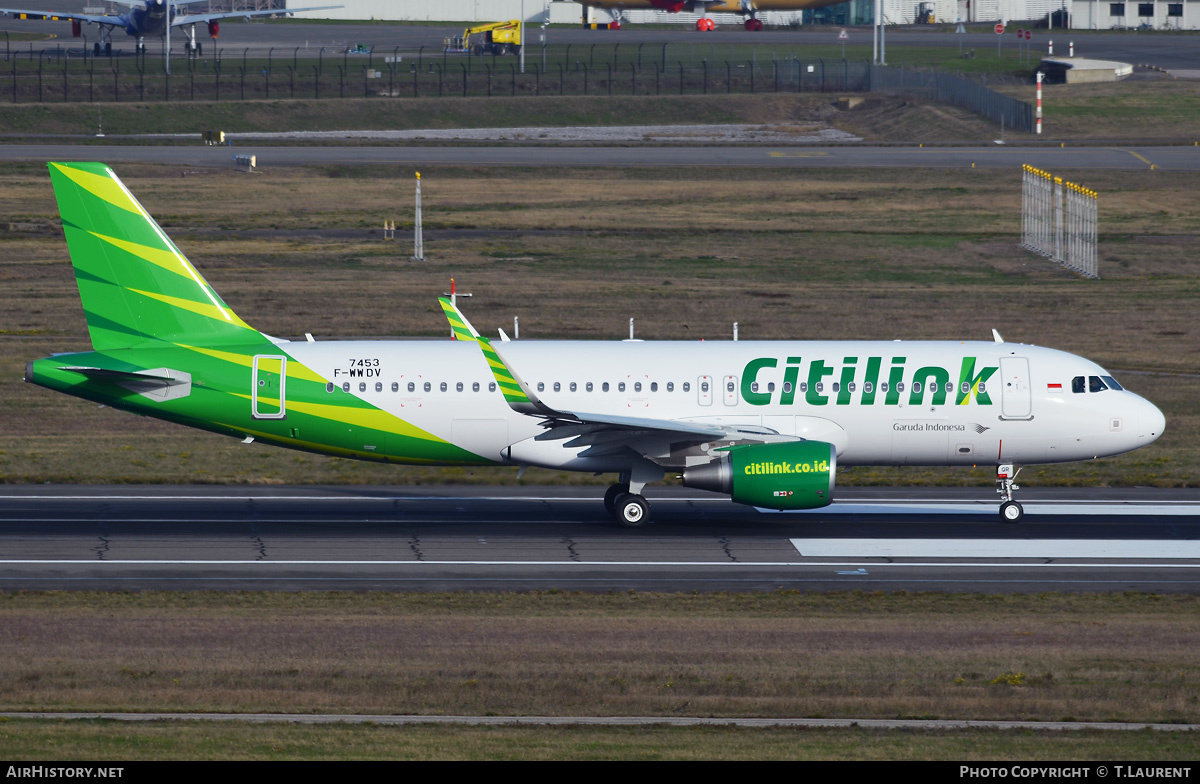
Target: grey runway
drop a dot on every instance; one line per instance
(468, 538)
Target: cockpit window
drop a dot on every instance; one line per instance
(1112, 383)
(1095, 384)
(1077, 385)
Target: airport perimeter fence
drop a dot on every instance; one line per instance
(1008, 112)
(66, 75)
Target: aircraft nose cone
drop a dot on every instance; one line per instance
(1151, 422)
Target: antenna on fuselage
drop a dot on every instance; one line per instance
(996, 336)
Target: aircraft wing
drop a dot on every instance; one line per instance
(55, 16)
(188, 19)
(582, 426)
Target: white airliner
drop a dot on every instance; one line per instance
(767, 423)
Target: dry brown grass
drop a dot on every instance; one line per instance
(928, 656)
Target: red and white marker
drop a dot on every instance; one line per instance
(1039, 101)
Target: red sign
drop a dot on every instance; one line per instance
(1028, 34)
(1020, 32)
(999, 29)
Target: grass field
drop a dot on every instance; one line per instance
(823, 254)
(860, 655)
(1137, 110)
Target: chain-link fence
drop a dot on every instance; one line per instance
(64, 75)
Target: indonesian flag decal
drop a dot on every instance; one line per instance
(1054, 387)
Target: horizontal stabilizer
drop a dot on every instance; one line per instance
(157, 384)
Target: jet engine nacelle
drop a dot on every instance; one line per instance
(792, 475)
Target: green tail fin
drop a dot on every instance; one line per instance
(137, 288)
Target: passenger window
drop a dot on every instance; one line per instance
(729, 386)
(899, 386)
(753, 386)
(428, 386)
(458, 387)
(378, 386)
(329, 387)
(557, 387)
(704, 386)
(412, 387)
(491, 386)
(653, 386)
(917, 387)
(442, 386)
(604, 387)
(820, 386)
(475, 387)
(982, 387)
(670, 386)
(868, 387)
(345, 386)
(966, 387)
(852, 386)
(541, 387)
(770, 386)
(573, 387)
(837, 386)
(621, 386)
(787, 387)
(883, 386)
(362, 386)
(803, 386)
(637, 386)
(687, 386)
(1095, 384)
(933, 386)
(589, 386)
(395, 387)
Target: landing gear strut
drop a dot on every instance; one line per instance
(1010, 510)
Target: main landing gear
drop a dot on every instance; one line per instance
(630, 510)
(1010, 510)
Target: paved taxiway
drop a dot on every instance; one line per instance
(488, 538)
(808, 157)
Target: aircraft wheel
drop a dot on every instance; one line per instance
(610, 497)
(632, 510)
(96, 50)
(1011, 512)
(749, 24)
(615, 26)
(758, 24)
(108, 48)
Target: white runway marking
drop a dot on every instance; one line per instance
(990, 508)
(997, 548)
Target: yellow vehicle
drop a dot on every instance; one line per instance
(494, 38)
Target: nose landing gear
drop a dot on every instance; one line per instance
(1010, 510)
